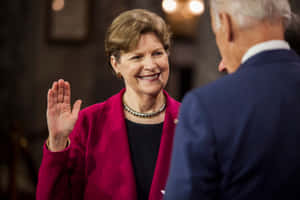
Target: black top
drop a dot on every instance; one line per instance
(144, 141)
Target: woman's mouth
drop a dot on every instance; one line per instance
(152, 77)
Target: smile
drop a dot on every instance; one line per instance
(150, 77)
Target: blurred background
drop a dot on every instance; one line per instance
(44, 40)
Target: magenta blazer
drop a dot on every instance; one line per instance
(97, 163)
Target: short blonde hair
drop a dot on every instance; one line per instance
(126, 29)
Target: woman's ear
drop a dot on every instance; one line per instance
(114, 63)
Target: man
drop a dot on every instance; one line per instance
(239, 137)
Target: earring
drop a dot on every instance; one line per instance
(119, 75)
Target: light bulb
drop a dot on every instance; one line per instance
(169, 6)
(196, 7)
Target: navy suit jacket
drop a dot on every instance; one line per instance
(239, 137)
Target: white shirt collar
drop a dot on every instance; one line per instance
(265, 46)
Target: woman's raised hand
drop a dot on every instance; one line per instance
(61, 118)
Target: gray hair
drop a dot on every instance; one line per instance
(246, 12)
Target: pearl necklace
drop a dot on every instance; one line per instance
(143, 115)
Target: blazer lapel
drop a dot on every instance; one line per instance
(126, 187)
(165, 149)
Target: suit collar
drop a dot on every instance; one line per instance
(265, 46)
(269, 57)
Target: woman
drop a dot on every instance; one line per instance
(119, 149)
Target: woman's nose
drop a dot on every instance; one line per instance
(149, 63)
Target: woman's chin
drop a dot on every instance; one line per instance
(153, 91)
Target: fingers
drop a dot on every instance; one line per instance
(61, 85)
(76, 108)
(52, 96)
(61, 93)
(55, 91)
(67, 93)
(50, 99)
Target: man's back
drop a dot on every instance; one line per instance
(255, 114)
(239, 137)
(249, 147)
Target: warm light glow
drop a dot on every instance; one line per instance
(169, 5)
(58, 5)
(196, 7)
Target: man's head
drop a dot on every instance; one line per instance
(240, 24)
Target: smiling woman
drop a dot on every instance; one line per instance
(145, 71)
(120, 148)
(137, 46)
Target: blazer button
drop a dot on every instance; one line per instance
(175, 120)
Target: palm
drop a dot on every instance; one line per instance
(60, 117)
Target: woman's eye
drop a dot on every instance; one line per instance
(158, 53)
(135, 57)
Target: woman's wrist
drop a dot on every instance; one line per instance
(56, 145)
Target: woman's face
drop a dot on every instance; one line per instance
(145, 70)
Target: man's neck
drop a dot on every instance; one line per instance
(259, 33)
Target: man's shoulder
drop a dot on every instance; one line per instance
(217, 87)
(222, 93)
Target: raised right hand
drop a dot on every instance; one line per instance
(61, 118)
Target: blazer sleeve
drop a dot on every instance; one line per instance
(61, 174)
(194, 168)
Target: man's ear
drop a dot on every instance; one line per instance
(226, 26)
(114, 63)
